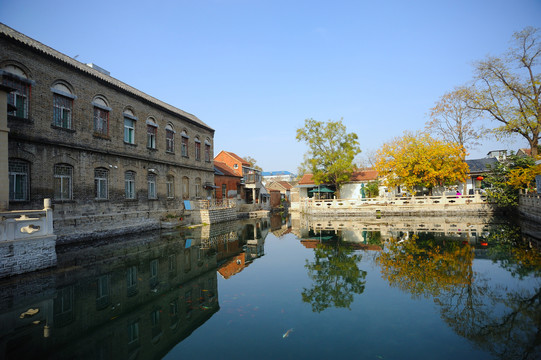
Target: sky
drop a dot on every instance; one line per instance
(254, 70)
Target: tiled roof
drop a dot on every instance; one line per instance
(36, 45)
(285, 184)
(480, 165)
(306, 179)
(224, 169)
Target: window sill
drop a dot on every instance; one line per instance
(153, 199)
(20, 119)
(53, 126)
(101, 200)
(170, 152)
(130, 144)
(151, 149)
(101, 136)
(130, 200)
(67, 201)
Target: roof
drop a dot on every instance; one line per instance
(48, 51)
(364, 175)
(480, 165)
(280, 184)
(224, 169)
(235, 156)
(307, 180)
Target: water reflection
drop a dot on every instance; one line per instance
(499, 316)
(124, 298)
(335, 274)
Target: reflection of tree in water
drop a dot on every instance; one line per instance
(336, 277)
(504, 321)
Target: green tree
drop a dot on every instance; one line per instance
(501, 189)
(331, 151)
(372, 189)
(336, 276)
(508, 89)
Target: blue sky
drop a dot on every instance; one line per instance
(255, 70)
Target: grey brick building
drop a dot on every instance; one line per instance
(112, 158)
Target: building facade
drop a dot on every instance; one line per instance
(108, 155)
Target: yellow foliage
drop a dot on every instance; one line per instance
(523, 178)
(420, 160)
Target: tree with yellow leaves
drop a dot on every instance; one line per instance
(418, 160)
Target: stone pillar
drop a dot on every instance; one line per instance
(4, 131)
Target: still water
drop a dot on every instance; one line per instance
(277, 288)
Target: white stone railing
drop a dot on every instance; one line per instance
(531, 200)
(16, 225)
(311, 204)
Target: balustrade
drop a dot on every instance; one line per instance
(15, 225)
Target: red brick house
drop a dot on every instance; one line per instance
(227, 182)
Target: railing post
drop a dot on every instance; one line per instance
(48, 216)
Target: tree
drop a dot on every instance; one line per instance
(252, 162)
(336, 276)
(509, 96)
(331, 151)
(454, 121)
(418, 160)
(508, 177)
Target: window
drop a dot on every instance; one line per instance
(129, 184)
(169, 139)
(170, 182)
(62, 106)
(62, 111)
(151, 179)
(18, 180)
(16, 78)
(129, 131)
(207, 150)
(133, 332)
(63, 175)
(185, 188)
(152, 130)
(131, 280)
(184, 144)
(197, 187)
(100, 183)
(197, 149)
(101, 117)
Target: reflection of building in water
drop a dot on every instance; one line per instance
(359, 230)
(280, 224)
(136, 298)
(250, 245)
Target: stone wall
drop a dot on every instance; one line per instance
(213, 216)
(26, 255)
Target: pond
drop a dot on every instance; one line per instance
(282, 288)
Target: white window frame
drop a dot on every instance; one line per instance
(152, 191)
(129, 131)
(129, 184)
(63, 175)
(19, 172)
(101, 183)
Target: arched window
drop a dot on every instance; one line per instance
(197, 149)
(62, 105)
(152, 131)
(129, 126)
(101, 116)
(19, 174)
(184, 145)
(185, 188)
(151, 180)
(207, 150)
(63, 180)
(169, 138)
(197, 187)
(101, 183)
(170, 183)
(129, 184)
(17, 79)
